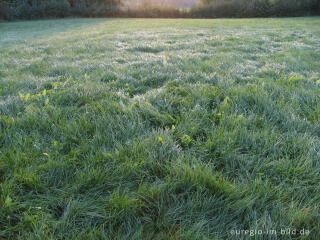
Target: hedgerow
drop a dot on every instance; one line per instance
(256, 8)
(35, 9)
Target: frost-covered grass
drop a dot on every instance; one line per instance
(159, 129)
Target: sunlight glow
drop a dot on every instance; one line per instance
(135, 4)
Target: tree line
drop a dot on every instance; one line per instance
(257, 8)
(35, 9)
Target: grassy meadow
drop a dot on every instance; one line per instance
(159, 129)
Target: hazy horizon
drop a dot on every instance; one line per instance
(160, 3)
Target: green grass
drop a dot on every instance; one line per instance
(159, 129)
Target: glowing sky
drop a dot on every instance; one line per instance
(159, 3)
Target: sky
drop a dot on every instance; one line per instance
(171, 3)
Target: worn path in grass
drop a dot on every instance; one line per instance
(159, 129)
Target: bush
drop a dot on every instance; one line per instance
(56, 8)
(217, 9)
(2, 11)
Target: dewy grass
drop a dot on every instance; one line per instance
(159, 129)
